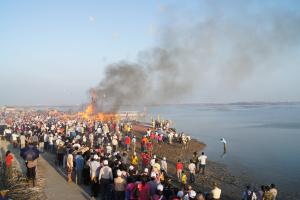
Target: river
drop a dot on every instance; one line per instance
(263, 139)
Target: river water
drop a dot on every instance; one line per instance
(263, 139)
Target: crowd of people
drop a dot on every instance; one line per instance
(115, 161)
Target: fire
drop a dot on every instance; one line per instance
(88, 112)
(90, 115)
(107, 117)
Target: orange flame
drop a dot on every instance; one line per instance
(89, 114)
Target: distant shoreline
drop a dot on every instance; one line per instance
(238, 103)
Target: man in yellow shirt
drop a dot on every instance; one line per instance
(134, 160)
(184, 180)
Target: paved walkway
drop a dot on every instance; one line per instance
(56, 186)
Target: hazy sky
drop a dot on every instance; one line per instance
(52, 52)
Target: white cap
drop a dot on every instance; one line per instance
(119, 173)
(164, 158)
(108, 144)
(105, 162)
(192, 194)
(160, 187)
(180, 194)
(154, 156)
(96, 157)
(146, 170)
(131, 167)
(153, 175)
(134, 153)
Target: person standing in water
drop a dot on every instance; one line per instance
(225, 144)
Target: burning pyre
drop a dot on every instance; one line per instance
(90, 114)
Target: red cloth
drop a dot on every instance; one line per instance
(145, 158)
(152, 135)
(8, 160)
(128, 140)
(179, 165)
(149, 146)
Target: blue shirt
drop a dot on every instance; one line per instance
(79, 162)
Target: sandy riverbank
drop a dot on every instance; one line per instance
(231, 186)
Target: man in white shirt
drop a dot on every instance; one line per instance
(91, 138)
(108, 149)
(164, 164)
(152, 161)
(94, 165)
(171, 134)
(46, 140)
(192, 169)
(148, 132)
(50, 141)
(115, 143)
(105, 172)
(7, 134)
(99, 130)
(216, 192)
(14, 137)
(225, 144)
(22, 141)
(202, 160)
(133, 141)
(105, 176)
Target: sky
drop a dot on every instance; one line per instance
(53, 52)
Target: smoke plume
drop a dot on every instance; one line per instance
(231, 44)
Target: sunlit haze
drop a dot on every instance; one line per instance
(54, 52)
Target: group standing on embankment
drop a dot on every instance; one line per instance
(121, 160)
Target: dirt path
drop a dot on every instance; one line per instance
(18, 187)
(50, 181)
